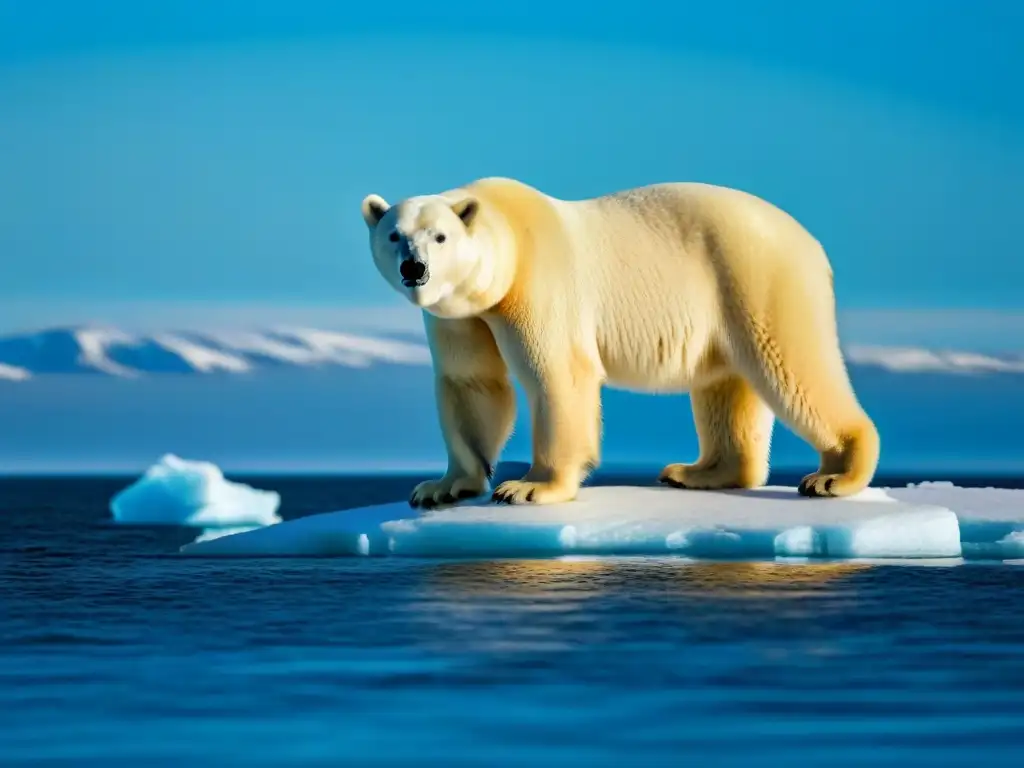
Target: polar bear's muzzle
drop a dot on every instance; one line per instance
(414, 272)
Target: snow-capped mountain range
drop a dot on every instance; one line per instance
(115, 352)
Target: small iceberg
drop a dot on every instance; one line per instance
(176, 491)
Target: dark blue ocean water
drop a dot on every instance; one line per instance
(113, 651)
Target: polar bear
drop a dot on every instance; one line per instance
(671, 287)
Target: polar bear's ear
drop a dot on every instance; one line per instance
(466, 209)
(374, 208)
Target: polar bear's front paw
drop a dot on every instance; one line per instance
(527, 492)
(447, 490)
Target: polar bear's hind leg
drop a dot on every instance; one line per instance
(794, 361)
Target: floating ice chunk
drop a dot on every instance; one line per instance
(756, 524)
(176, 491)
(13, 373)
(991, 519)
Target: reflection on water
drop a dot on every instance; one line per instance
(591, 577)
(536, 604)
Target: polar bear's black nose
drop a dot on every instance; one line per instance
(413, 272)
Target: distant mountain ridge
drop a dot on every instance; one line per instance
(111, 351)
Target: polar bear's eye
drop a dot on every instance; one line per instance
(393, 237)
(440, 238)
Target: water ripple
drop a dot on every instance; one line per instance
(112, 652)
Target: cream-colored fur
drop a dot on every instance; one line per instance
(666, 288)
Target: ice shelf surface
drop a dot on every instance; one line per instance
(932, 520)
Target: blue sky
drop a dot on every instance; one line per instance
(208, 154)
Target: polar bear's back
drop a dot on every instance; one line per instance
(696, 220)
(676, 263)
(686, 247)
(670, 229)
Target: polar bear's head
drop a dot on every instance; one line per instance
(432, 249)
